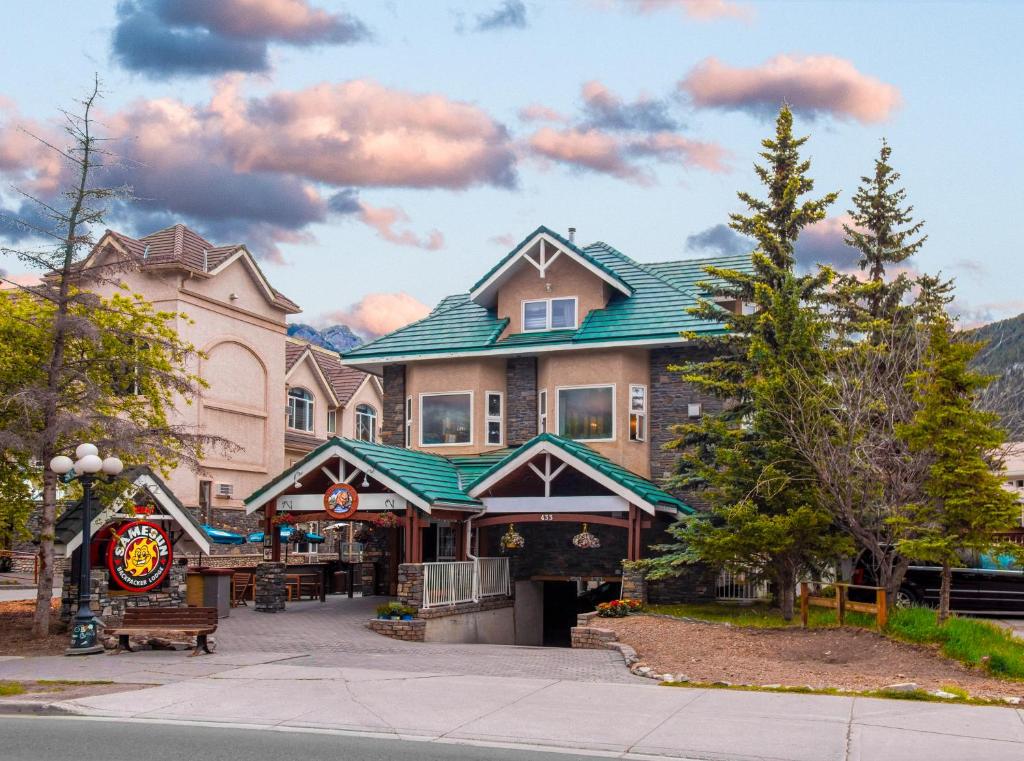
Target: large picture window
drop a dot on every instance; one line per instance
(446, 419)
(300, 409)
(587, 413)
(366, 423)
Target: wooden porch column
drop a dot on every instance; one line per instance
(633, 543)
(408, 530)
(417, 537)
(460, 540)
(271, 530)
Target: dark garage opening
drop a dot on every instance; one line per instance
(559, 612)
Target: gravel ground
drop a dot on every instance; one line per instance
(846, 658)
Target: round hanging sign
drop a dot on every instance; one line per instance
(140, 556)
(341, 501)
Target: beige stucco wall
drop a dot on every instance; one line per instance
(564, 277)
(475, 375)
(245, 402)
(620, 368)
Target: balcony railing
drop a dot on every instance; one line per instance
(451, 583)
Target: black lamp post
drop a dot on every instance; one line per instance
(85, 469)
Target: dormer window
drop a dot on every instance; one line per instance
(549, 314)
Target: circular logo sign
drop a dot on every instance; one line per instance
(140, 556)
(341, 501)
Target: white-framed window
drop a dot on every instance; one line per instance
(542, 411)
(637, 412)
(300, 409)
(366, 423)
(494, 416)
(445, 542)
(587, 413)
(446, 419)
(549, 314)
(694, 410)
(408, 422)
(332, 421)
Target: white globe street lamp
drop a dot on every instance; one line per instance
(85, 468)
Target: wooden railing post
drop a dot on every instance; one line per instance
(841, 603)
(805, 594)
(882, 614)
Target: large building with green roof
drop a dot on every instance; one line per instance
(536, 405)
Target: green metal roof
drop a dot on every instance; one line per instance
(658, 309)
(617, 277)
(626, 478)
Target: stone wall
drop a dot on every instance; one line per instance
(410, 584)
(520, 400)
(409, 631)
(110, 608)
(695, 583)
(392, 424)
(270, 587)
(669, 402)
(634, 585)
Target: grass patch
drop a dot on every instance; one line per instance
(72, 682)
(977, 643)
(11, 688)
(918, 695)
(757, 616)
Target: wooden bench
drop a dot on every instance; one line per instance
(192, 622)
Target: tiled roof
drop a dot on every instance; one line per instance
(638, 485)
(344, 381)
(658, 309)
(183, 247)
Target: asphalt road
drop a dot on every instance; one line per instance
(46, 739)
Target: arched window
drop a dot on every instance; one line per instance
(300, 409)
(366, 423)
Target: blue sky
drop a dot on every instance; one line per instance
(398, 235)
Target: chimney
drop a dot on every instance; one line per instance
(572, 234)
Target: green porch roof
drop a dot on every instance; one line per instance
(626, 478)
(658, 310)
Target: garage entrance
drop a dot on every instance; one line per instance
(559, 606)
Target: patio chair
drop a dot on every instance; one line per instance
(242, 587)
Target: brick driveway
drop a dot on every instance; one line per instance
(335, 634)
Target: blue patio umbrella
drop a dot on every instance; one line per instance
(256, 537)
(221, 536)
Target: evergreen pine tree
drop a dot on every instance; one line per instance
(765, 513)
(964, 502)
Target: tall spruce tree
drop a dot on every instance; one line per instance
(964, 503)
(766, 515)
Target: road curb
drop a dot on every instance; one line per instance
(36, 708)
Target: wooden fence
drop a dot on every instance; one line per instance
(842, 603)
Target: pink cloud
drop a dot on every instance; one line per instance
(536, 112)
(668, 146)
(15, 279)
(379, 313)
(697, 10)
(824, 242)
(812, 84)
(506, 239)
(973, 315)
(384, 219)
(289, 20)
(362, 133)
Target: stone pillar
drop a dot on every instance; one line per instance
(634, 585)
(410, 584)
(520, 400)
(392, 423)
(270, 589)
(99, 600)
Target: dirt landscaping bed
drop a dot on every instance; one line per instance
(832, 658)
(16, 625)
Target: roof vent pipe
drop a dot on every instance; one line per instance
(206, 260)
(572, 234)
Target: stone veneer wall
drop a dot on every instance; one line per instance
(392, 424)
(410, 584)
(670, 397)
(634, 585)
(270, 589)
(110, 608)
(520, 400)
(409, 631)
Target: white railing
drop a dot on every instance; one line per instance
(730, 588)
(450, 583)
(493, 577)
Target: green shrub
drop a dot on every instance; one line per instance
(395, 608)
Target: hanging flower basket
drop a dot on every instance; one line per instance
(512, 540)
(385, 520)
(585, 540)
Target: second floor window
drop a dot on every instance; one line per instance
(446, 419)
(542, 411)
(332, 421)
(587, 412)
(408, 422)
(637, 413)
(300, 409)
(549, 314)
(494, 417)
(366, 423)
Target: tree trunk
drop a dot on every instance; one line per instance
(44, 590)
(787, 592)
(947, 583)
